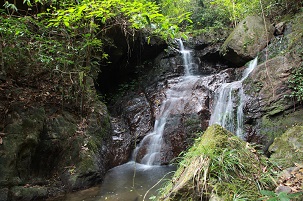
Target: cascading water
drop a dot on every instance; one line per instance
(187, 59)
(229, 99)
(185, 95)
(174, 102)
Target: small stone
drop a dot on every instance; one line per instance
(284, 189)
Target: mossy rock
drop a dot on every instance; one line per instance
(247, 40)
(275, 126)
(29, 193)
(219, 166)
(19, 144)
(87, 163)
(288, 148)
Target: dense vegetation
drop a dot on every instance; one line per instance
(51, 51)
(67, 37)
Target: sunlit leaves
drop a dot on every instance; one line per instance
(137, 14)
(236, 10)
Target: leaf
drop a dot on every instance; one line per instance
(295, 195)
(284, 199)
(273, 199)
(147, 19)
(268, 193)
(283, 196)
(66, 23)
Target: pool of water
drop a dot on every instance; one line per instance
(127, 182)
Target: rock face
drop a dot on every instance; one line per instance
(139, 110)
(134, 120)
(43, 154)
(270, 110)
(287, 150)
(247, 40)
(267, 87)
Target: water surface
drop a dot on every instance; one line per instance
(127, 182)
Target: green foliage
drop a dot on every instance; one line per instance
(11, 8)
(282, 196)
(138, 14)
(235, 10)
(295, 47)
(67, 40)
(277, 9)
(295, 83)
(29, 48)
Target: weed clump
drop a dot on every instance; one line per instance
(222, 166)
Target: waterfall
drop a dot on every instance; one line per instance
(229, 102)
(187, 59)
(173, 103)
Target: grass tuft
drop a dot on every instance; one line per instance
(220, 164)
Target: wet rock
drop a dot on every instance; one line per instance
(267, 89)
(28, 193)
(122, 142)
(138, 115)
(247, 40)
(179, 133)
(187, 116)
(207, 52)
(4, 194)
(140, 109)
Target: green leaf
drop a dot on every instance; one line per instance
(268, 193)
(66, 23)
(295, 195)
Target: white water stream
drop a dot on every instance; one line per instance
(229, 102)
(174, 103)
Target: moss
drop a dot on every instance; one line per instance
(252, 86)
(277, 125)
(87, 164)
(297, 32)
(288, 148)
(248, 41)
(275, 109)
(30, 193)
(93, 145)
(220, 164)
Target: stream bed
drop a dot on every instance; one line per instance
(128, 182)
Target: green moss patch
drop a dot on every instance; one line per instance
(219, 164)
(276, 126)
(288, 148)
